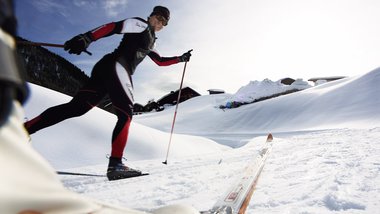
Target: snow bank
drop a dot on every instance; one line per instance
(349, 102)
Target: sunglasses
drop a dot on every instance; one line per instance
(162, 20)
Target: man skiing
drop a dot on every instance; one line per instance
(112, 75)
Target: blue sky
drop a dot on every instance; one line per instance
(234, 42)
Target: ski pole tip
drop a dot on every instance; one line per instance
(88, 52)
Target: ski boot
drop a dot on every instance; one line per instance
(117, 170)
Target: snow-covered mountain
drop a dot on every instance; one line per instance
(258, 89)
(324, 159)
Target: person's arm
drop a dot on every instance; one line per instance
(165, 61)
(80, 43)
(132, 25)
(104, 31)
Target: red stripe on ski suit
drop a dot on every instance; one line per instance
(29, 124)
(120, 141)
(163, 61)
(103, 31)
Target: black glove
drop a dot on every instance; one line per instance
(185, 57)
(78, 44)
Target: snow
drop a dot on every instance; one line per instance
(325, 156)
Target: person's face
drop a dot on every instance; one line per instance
(158, 22)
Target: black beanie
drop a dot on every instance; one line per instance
(161, 11)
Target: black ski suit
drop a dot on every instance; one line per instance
(111, 75)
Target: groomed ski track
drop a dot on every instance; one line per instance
(188, 175)
(346, 179)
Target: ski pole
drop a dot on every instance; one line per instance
(175, 113)
(46, 44)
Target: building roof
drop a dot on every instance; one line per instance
(173, 96)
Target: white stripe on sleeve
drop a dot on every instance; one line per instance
(133, 26)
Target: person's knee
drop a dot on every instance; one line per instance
(79, 108)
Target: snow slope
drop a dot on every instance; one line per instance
(324, 159)
(86, 140)
(350, 102)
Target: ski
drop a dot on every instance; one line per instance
(93, 175)
(79, 174)
(238, 196)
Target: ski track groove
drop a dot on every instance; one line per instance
(185, 176)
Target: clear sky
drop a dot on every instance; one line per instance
(234, 42)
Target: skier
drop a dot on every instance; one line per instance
(112, 75)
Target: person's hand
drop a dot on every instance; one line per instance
(185, 57)
(78, 44)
